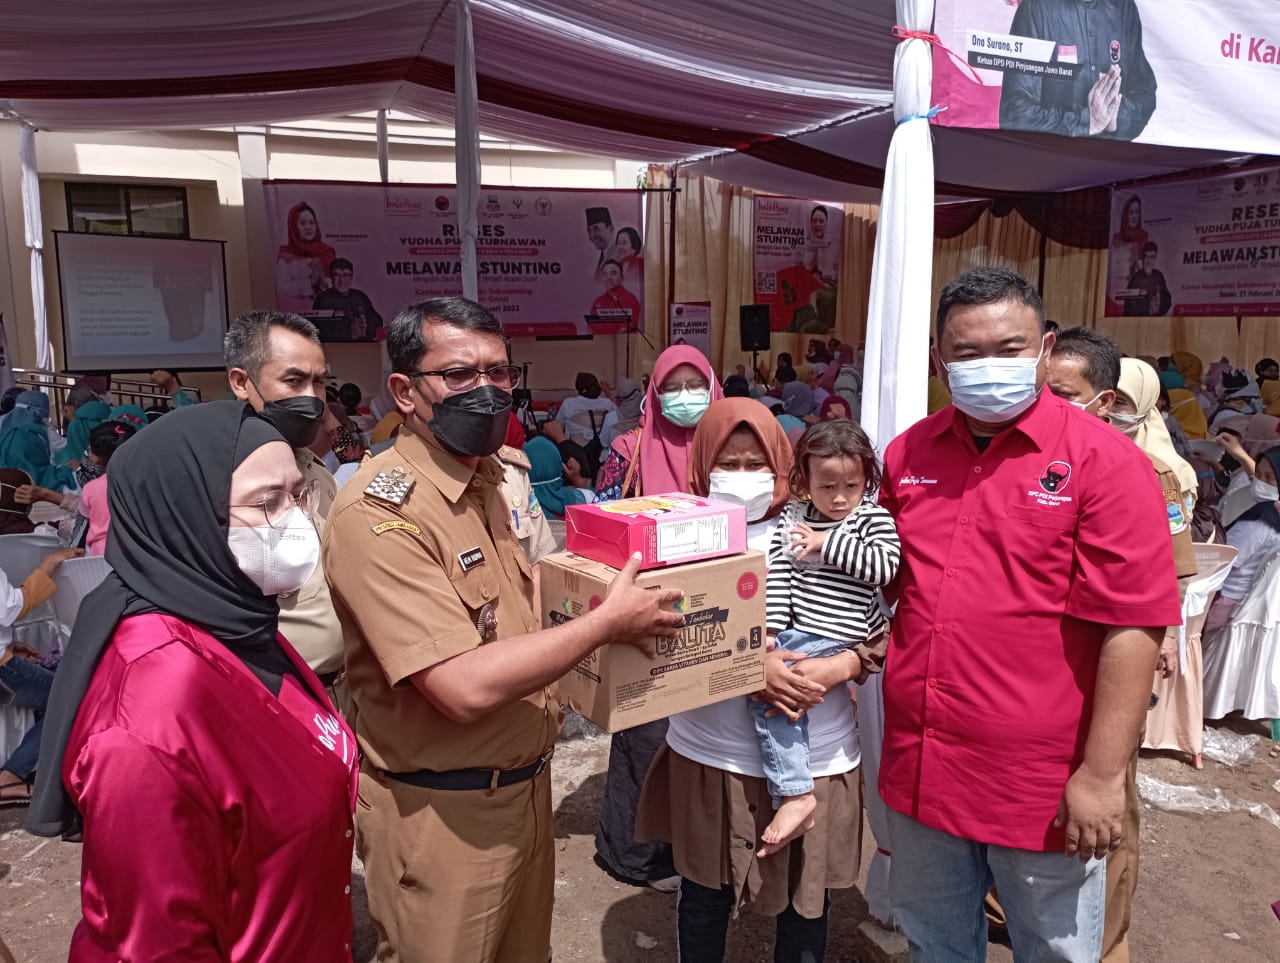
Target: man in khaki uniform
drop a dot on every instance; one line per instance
(1085, 369)
(528, 520)
(275, 363)
(452, 680)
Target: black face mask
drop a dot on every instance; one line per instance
(297, 418)
(473, 423)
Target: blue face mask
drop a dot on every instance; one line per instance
(685, 407)
(994, 390)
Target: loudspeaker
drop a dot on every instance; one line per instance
(753, 322)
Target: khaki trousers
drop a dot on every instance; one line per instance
(458, 876)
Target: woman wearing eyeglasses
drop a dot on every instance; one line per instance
(215, 779)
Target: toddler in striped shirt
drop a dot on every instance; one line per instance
(831, 552)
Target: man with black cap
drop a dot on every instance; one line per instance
(275, 363)
(601, 234)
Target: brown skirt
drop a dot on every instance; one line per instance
(713, 820)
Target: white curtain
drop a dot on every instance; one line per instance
(467, 146)
(895, 390)
(33, 223)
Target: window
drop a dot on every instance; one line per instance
(148, 209)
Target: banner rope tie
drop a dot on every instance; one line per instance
(929, 114)
(902, 33)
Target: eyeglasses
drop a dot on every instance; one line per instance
(698, 384)
(504, 376)
(277, 504)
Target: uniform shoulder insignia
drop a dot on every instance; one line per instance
(391, 486)
(514, 456)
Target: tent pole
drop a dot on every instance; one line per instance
(466, 146)
(671, 254)
(895, 390)
(384, 151)
(33, 224)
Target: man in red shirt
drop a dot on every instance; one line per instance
(1022, 653)
(617, 303)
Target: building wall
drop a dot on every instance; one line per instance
(208, 163)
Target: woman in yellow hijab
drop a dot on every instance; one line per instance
(1185, 407)
(1190, 367)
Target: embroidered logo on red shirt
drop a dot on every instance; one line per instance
(1056, 477)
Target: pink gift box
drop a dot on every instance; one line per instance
(664, 529)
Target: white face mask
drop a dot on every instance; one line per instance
(753, 490)
(994, 390)
(1084, 405)
(279, 560)
(1264, 492)
(1128, 424)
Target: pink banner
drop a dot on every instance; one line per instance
(551, 262)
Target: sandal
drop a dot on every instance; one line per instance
(15, 794)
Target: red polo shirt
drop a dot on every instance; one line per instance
(1015, 563)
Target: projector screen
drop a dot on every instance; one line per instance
(137, 303)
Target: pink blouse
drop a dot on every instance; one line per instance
(217, 817)
(93, 506)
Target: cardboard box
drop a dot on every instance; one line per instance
(664, 529)
(719, 654)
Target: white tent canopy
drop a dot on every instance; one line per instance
(785, 98)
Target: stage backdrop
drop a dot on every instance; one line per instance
(797, 262)
(1207, 247)
(1186, 73)
(551, 262)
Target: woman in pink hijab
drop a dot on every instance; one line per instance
(650, 460)
(655, 457)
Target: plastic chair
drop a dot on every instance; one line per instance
(75, 579)
(1177, 721)
(19, 556)
(1242, 660)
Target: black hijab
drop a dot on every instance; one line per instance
(1265, 511)
(169, 493)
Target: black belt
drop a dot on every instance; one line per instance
(327, 679)
(469, 779)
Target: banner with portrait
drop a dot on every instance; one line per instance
(551, 262)
(797, 262)
(1183, 73)
(1206, 246)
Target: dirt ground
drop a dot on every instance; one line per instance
(1207, 882)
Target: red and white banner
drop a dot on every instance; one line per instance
(349, 256)
(797, 262)
(1209, 246)
(1186, 73)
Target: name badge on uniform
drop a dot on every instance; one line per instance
(391, 486)
(471, 558)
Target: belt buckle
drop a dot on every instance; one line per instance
(543, 763)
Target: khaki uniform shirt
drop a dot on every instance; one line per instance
(528, 520)
(418, 583)
(307, 618)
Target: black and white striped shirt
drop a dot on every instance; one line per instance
(837, 597)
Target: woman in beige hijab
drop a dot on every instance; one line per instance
(1176, 721)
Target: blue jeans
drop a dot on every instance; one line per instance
(937, 882)
(784, 745)
(25, 685)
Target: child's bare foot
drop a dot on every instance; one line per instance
(793, 818)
